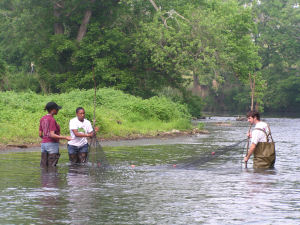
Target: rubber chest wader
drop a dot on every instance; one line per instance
(80, 157)
(49, 160)
(264, 153)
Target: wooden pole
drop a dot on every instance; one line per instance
(248, 142)
(252, 87)
(95, 90)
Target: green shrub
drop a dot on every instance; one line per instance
(117, 114)
(194, 103)
(200, 126)
(20, 81)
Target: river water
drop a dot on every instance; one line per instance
(186, 180)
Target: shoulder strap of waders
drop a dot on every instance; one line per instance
(267, 135)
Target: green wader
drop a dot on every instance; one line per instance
(264, 153)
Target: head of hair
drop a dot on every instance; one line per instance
(253, 114)
(52, 105)
(78, 109)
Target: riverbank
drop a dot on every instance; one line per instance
(113, 141)
(118, 115)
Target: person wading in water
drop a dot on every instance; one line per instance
(263, 149)
(80, 129)
(49, 131)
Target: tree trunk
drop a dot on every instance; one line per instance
(58, 26)
(157, 10)
(85, 21)
(198, 89)
(252, 87)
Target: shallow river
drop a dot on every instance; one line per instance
(186, 180)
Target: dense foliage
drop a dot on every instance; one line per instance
(278, 38)
(117, 114)
(208, 47)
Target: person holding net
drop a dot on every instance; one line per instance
(80, 129)
(261, 146)
(49, 131)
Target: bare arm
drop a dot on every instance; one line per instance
(78, 134)
(40, 134)
(53, 135)
(249, 134)
(250, 152)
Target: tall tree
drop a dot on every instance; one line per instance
(207, 42)
(58, 24)
(278, 37)
(85, 21)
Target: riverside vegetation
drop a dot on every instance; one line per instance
(202, 53)
(143, 47)
(117, 114)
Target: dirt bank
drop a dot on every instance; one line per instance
(107, 141)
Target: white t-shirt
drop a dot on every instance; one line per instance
(84, 127)
(258, 135)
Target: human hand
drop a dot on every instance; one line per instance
(69, 138)
(249, 135)
(92, 134)
(96, 129)
(246, 159)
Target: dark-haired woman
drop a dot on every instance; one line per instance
(80, 129)
(49, 131)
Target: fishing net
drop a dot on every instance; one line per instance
(96, 154)
(212, 154)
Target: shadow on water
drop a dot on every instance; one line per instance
(66, 193)
(49, 198)
(262, 171)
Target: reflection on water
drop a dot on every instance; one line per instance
(49, 198)
(151, 184)
(79, 196)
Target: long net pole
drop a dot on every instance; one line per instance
(95, 92)
(248, 142)
(92, 149)
(252, 87)
(98, 154)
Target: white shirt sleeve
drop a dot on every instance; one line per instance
(255, 136)
(73, 125)
(89, 127)
(259, 136)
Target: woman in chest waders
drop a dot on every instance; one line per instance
(262, 144)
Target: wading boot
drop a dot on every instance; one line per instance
(53, 159)
(82, 157)
(44, 159)
(73, 158)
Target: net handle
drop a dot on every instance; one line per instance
(95, 91)
(248, 142)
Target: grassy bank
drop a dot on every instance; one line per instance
(117, 114)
